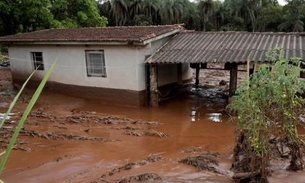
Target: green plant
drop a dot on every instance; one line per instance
(25, 113)
(1, 58)
(3, 49)
(268, 106)
(15, 100)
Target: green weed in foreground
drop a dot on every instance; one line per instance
(268, 107)
(15, 100)
(25, 114)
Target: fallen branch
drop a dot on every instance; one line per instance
(245, 175)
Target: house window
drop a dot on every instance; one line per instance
(95, 61)
(37, 59)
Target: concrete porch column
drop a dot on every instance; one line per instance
(154, 93)
(233, 78)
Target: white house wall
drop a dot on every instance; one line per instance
(125, 65)
(121, 65)
(142, 54)
(166, 73)
(126, 77)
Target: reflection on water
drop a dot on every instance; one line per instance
(195, 115)
(207, 103)
(215, 117)
(2, 115)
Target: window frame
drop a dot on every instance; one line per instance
(37, 64)
(90, 72)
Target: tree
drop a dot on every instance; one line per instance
(294, 12)
(191, 17)
(9, 17)
(105, 9)
(120, 12)
(268, 106)
(34, 14)
(150, 10)
(136, 8)
(219, 15)
(78, 13)
(237, 16)
(170, 11)
(206, 9)
(270, 17)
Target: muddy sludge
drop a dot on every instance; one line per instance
(59, 127)
(87, 159)
(205, 161)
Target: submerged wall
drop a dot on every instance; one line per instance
(126, 76)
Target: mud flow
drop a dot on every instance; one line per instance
(186, 139)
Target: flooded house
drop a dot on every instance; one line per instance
(138, 65)
(106, 64)
(233, 51)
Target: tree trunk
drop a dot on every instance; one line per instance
(247, 166)
(253, 19)
(296, 162)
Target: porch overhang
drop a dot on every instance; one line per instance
(224, 47)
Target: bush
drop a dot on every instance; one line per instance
(268, 107)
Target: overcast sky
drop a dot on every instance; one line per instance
(281, 2)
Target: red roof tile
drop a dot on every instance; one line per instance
(128, 34)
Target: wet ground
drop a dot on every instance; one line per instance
(70, 140)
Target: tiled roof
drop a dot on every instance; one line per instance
(195, 47)
(129, 34)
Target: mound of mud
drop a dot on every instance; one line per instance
(206, 161)
(135, 178)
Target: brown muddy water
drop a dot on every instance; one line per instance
(72, 140)
(84, 161)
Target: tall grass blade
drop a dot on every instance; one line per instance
(25, 115)
(15, 100)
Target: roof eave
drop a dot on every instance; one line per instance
(145, 42)
(9, 43)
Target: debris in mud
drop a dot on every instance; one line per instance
(247, 166)
(21, 149)
(152, 133)
(153, 158)
(127, 128)
(144, 122)
(205, 161)
(41, 114)
(223, 83)
(61, 136)
(278, 148)
(192, 150)
(135, 178)
(108, 120)
(131, 133)
(84, 117)
(142, 177)
(34, 123)
(128, 166)
(156, 134)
